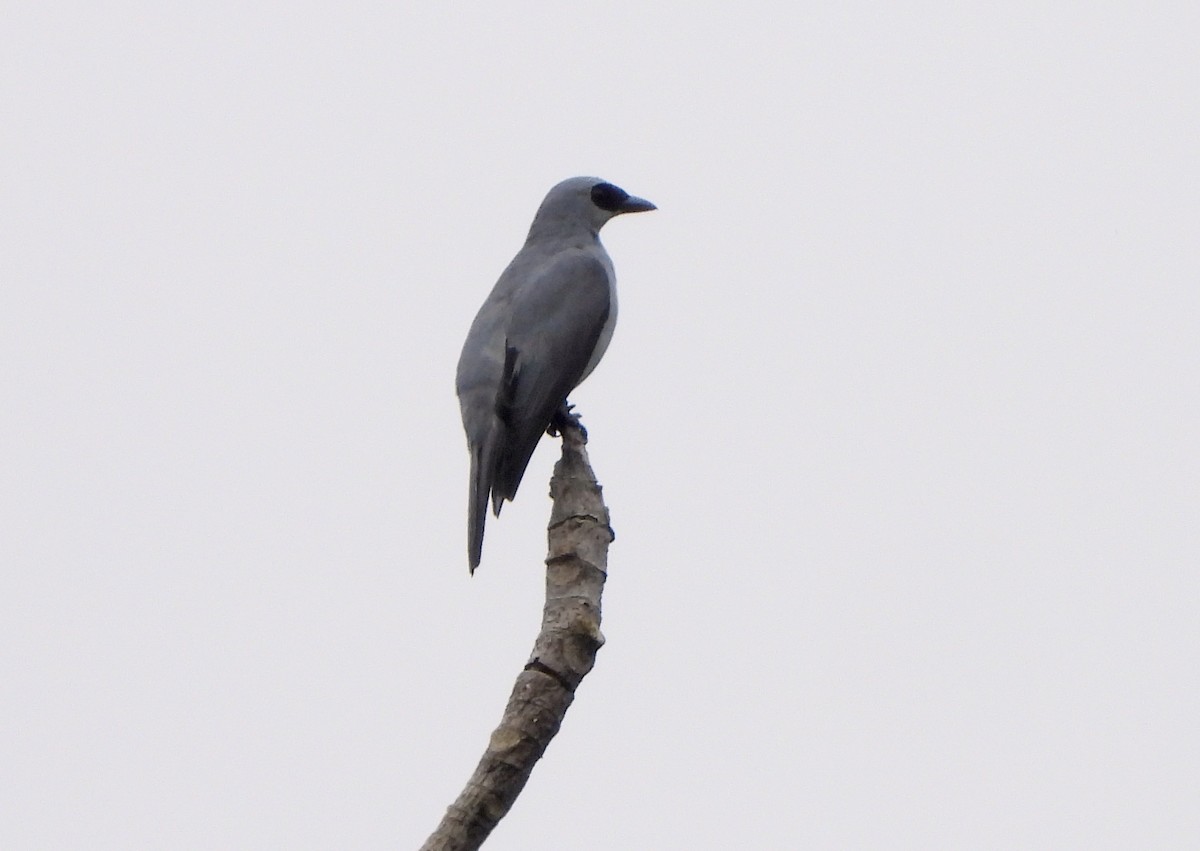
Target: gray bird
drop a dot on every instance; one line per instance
(541, 331)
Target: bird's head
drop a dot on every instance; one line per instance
(584, 203)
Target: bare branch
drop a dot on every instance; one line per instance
(564, 652)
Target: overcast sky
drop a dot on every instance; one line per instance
(898, 428)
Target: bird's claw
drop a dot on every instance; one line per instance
(564, 417)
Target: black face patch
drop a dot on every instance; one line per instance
(608, 197)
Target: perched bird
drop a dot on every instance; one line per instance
(541, 331)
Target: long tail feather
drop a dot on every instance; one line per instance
(477, 508)
(483, 478)
(485, 460)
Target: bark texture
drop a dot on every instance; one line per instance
(564, 652)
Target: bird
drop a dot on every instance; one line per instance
(541, 331)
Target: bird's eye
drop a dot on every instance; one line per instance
(608, 197)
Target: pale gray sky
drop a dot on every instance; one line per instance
(898, 428)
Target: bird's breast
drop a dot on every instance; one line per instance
(610, 321)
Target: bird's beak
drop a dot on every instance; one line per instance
(633, 204)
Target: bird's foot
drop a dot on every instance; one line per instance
(563, 418)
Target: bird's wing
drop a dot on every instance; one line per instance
(557, 317)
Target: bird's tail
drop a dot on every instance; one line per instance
(485, 459)
(483, 475)
(480, 486)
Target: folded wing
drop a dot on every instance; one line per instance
(557, 319)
